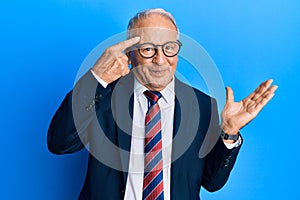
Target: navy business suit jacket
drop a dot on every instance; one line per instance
(102, 118)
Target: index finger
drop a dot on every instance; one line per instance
(127, 43)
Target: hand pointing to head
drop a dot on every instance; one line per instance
(113, 63)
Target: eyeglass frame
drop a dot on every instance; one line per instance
(156, 48)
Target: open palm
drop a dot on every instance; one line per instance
(236, 115)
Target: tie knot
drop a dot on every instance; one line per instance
(152, 96)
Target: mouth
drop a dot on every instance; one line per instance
(158, 72)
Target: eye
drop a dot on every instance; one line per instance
(169, 48)
(147, 49)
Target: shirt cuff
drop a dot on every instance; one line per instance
(233, 145)
(102, 82)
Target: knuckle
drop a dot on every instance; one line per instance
(110, 50)
(123, 58)
(120, 68)
(118, 61)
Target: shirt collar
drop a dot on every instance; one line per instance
(168, 93)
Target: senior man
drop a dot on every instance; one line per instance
(150, 136)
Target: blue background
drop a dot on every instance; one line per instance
(43, 43)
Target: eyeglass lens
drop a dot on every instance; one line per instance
(148, 50)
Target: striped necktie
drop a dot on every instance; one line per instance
(153, 187)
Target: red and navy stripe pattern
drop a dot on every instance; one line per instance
(153, 167)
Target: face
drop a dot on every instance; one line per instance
(154, 73)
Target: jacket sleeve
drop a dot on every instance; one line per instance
(220, 160)
(68, 130)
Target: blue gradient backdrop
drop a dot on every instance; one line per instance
(43, 43)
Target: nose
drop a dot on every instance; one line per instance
(159, 58)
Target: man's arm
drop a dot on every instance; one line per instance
(219, 159)
(235, 115)
(67, 132)
(218, 165)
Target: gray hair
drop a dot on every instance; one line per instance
(145, 13)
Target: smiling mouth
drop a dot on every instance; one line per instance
(158, 72)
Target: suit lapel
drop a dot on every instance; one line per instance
(122, 107)
(185, 129)
(177, 114)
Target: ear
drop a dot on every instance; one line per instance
(129, 55)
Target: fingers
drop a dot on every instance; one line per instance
(127, 43)
(263, 99)
(113, 63)
(265, 88)
(273, 89)
(122, 65)
(229, 95)
(119, 67)
(267, 95)
(260, 89)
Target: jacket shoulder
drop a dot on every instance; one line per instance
(184, 88)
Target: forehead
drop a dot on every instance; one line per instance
(156, 29)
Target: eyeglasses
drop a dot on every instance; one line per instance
(170, 49)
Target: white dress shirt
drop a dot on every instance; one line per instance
(134, 184)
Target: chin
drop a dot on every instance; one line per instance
(158, 85)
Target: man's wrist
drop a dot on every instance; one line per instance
(229, 129)
(233, 144)
(229, 134)
(229, 137)
(100, 80)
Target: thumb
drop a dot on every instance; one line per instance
(229, 95)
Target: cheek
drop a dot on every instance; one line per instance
(173, 62)
(142, 72)
(137, 57)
